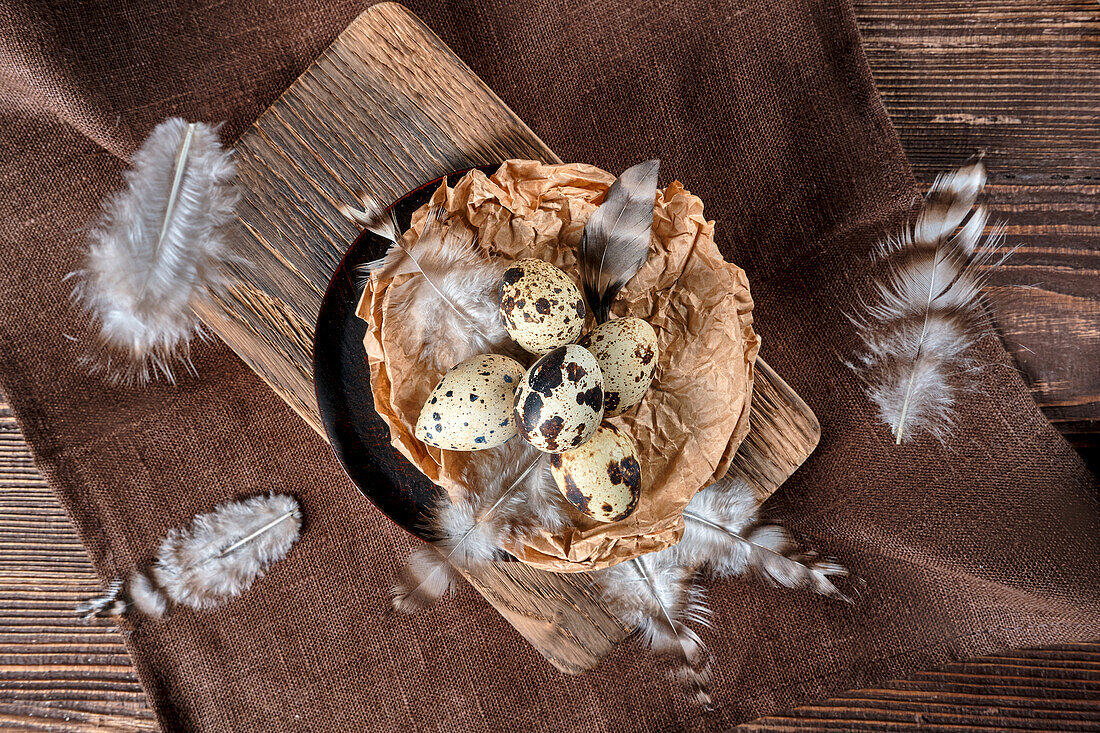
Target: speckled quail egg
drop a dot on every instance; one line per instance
(626, 350)
(602, 478)
(559, 403)
(471, 407)
(540, 305)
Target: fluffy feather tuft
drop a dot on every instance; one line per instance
(426, 577)
(157, 251)
(220, 554)
(538, 504)
(655, 594)
(925, 316)
(721, 534)
(616, 237)
(712, 519)
(779, 559)
(146, 596)
(496, 510)
(451, 302)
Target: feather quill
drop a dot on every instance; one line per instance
(157, 251)
(451, 306)
(722, 534)
(655, 594)
(468, 532)
(616, 237)
(218, 556)
(925, 316)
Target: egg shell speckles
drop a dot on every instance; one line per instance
(626, 350)
(540, 306)
(471, 407)
(559, 403)
(602, 478)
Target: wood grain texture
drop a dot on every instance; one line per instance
(947, 71)
(386, 109)
(1019, 80)
(56, 674)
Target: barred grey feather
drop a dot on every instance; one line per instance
(616, 237)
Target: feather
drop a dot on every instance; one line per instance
(538, 504)
(780, 560)
(373, 217)
(616, 237)
(916, 333)
(112, 602)
(729, 503)
(140, 593)
(157, 251)
(719, 535)
(220, 554)
(146, 596)
(467, 532)
(654, 594)
(426, 578)
(451, 307)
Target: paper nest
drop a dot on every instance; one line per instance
(695, 415)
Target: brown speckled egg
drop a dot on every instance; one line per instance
(471, 407)
(602, 478)
(559, 403)
(626, 350)
(540, 305)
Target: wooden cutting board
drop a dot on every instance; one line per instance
(387, 108)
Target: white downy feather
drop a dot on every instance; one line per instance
(732, 504)
(220, 554)
(511, 494)
(216, 557)
(426, 578)
(655, 594)
(157, 251)
(721, 535)
(538, 503)
(450, 305)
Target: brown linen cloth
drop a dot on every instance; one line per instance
(767, 111)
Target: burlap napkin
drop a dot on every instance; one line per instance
(766, 111)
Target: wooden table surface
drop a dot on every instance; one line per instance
(1019, 80)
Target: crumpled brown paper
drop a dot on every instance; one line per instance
(689, 425)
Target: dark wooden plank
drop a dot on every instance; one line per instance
(1040, 689)
(55, 672)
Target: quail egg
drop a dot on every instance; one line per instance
(602, 478)
(626, 350)
(471, 407)
(540, 305)
(559, 403)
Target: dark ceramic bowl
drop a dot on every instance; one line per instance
(341, 374)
